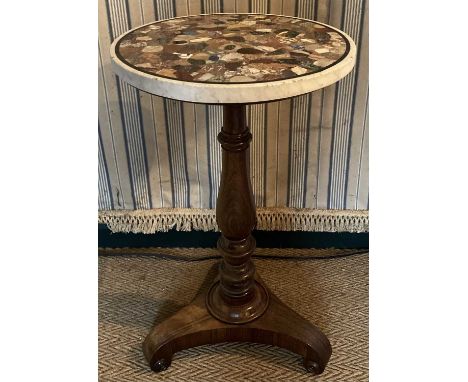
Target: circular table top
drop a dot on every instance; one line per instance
(232, 58)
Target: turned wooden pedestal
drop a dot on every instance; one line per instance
(238, 306)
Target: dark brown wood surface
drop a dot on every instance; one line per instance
(279, 326)
(237, 298)
(238, 306)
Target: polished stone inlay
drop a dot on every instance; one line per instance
(234, 48)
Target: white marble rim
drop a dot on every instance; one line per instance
(223, 93)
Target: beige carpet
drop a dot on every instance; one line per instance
(137, 291)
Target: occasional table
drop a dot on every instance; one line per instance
(234, 60)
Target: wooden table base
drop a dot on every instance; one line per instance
(238, 306)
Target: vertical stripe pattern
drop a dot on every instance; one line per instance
(298, 150)
(178, 156)
(259, 6)
(256, 121)
(310, 151)
(214, 123)
(212, 6)
(105, 196)
(343, 110)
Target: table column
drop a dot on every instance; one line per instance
(237, 297)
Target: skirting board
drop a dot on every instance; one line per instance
(268, 219)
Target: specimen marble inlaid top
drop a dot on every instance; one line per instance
(225, 52)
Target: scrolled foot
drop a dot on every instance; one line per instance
(160, 364)
(312, 367)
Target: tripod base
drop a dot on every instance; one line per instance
(279, 325)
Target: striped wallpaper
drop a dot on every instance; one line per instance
(310, 151)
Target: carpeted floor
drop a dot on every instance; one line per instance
(139, 290)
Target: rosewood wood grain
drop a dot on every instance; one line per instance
(280, 326)
(236, 298)
(238, 306)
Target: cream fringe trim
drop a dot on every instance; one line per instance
(269, 219)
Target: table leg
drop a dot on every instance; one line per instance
(238, 306)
